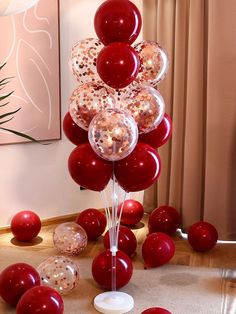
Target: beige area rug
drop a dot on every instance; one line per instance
(180, 289)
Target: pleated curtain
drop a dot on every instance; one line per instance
(199, 162)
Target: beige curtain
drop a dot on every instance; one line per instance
(199, 163)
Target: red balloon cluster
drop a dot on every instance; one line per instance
(132, 212)
(202, 236)
(93, 221)
(117, 24)
(25, 225)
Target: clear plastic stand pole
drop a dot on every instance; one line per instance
(113, 302)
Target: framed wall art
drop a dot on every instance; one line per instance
(29, 45)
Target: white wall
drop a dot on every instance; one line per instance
(33, 176)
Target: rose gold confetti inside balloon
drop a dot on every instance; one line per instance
(113, 134)
(70, 238)
(88, 100)
(154, 63)
(83, 59)
(146, 106)
(59, 273)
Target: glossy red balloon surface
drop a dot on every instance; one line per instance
(132, 212)
(202, 236)
(40, 300)
(160, 135)
(164, 219)
(126, 241)
(118, 65)
(158, 249)
(102, 269)
(156, 310)
(139, 170)
(15, 280)
(25, 225)
(89, 170)
(73, 132)
(93, 221)
(117, 21)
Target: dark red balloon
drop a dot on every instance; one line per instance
(117, 21)
(158, 249)
(156, 310)
(164, 219)
(73, 132)
(88, 169)
(40, 300)
(118, 65)
(15, 280)
(132, 212)
(102, 269)
(93, 221)
(202, 236)
(25, 225)
(139, 170)
(126, 241)
(160, 135)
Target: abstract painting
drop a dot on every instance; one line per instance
(29, 45)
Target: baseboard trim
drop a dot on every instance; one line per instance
(49, 221)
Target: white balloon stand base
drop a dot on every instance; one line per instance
(113, 302)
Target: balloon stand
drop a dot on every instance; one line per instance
(113, 301)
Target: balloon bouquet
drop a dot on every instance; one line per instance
(118, 110)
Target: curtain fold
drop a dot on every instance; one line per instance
(198, 164)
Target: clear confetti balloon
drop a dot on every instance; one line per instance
(83, 59)
(70, 238)
(146, 105)
(87, 101)
(59, 273)
(113, 134)
(154, 63)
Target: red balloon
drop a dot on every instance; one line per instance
(126, 241)
(15, 280)
(160, 135)
(117, 21)
(139, 170)
(202, 236)
(132, 212)
(88, 169)
(93, 221)
(118, 65)
(102, 269)
(158, 249)
(25, 225)
(156, 310)
(40, 300)
(164, 219)
(73, 132)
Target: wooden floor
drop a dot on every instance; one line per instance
(222, 256)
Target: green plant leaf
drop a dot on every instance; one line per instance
(5, 121)
(5, 96)
(1, 66)
(9, 113)
(23, 135)
(6, 103)
(5, 81)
